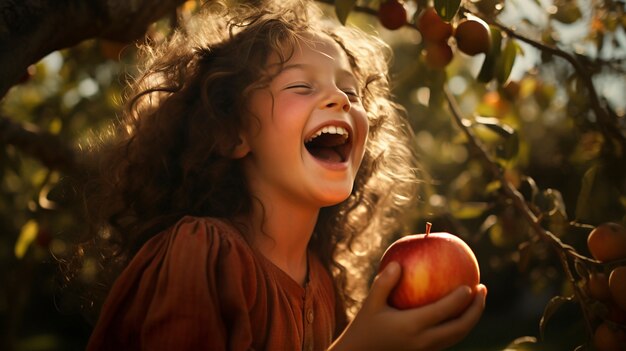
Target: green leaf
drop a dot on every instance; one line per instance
(556, 214)
(487, 71)
(504, 232)
(552, 306)
(496, 125)
(447, 8)
(525, 255)
(468, 210)
(510, 148)
(487, 224)
(343, 9)
(493, 187)
(598, 199)
(581, 268)
(529, 189)
(28, 234)
(522, 343)
(505, 64)
(557, 204)
(567, 12)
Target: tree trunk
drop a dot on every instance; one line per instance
(31, 29)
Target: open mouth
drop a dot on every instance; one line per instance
(329, 144)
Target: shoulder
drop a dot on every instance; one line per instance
(200, 236)
(196, 248)
(182, 284)
(211, 226)
(193, 254)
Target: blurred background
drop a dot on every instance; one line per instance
(545, 104)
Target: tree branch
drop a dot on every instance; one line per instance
(609, 124)
(31, 29)
(45, 147)
(519, 203)
(364, 9)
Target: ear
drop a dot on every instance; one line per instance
(242, 148)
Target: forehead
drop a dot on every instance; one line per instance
(323, 47)
(314, 48)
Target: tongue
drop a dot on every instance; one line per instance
(325, 153)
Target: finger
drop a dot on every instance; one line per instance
(447, 307)
(383, 284)
(453, 331)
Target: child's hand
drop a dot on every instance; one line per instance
(377, 326)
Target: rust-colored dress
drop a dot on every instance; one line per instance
(200, 286)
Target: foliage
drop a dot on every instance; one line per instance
(524, 149)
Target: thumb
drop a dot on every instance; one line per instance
(383, 284)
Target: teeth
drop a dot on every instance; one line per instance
(330, 130)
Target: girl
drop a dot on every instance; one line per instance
(260, 165)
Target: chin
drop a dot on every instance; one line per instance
(332, 197)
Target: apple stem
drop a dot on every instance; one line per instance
(428, 225)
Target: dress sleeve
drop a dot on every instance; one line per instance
(190, 288)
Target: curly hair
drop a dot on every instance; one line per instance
(170, 153)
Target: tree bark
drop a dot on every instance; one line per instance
(31, 29)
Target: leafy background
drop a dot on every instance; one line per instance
(523, 148)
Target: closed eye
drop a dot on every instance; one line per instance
(300, 87)
(353, 95)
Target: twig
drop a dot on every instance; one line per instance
(608, 124)
(365, 9)
(47, 148)
(520, 204)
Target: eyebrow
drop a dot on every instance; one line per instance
(305, 66)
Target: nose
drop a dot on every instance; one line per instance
(337, 100)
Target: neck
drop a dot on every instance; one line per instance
(281, 232)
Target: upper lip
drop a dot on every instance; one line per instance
(344, 149)
(331, 123)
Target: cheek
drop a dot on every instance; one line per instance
(362, 125)
(362, 132)
(290, 115)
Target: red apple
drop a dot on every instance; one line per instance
(598, 286)
(438, 55)
(617, 286)
(607, 242)
(392, 14)
(472, 37)
(608, 337)
(433, 265)
(433, 28)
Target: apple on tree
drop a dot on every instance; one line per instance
(433, 28)
(617, 286)
(435, 32)
(472, 37)
(608, 337)
(438, 55)
(392, 14)
(607, 242)
(433, 265)
(598, 286)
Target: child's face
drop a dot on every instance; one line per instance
(308, 130)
